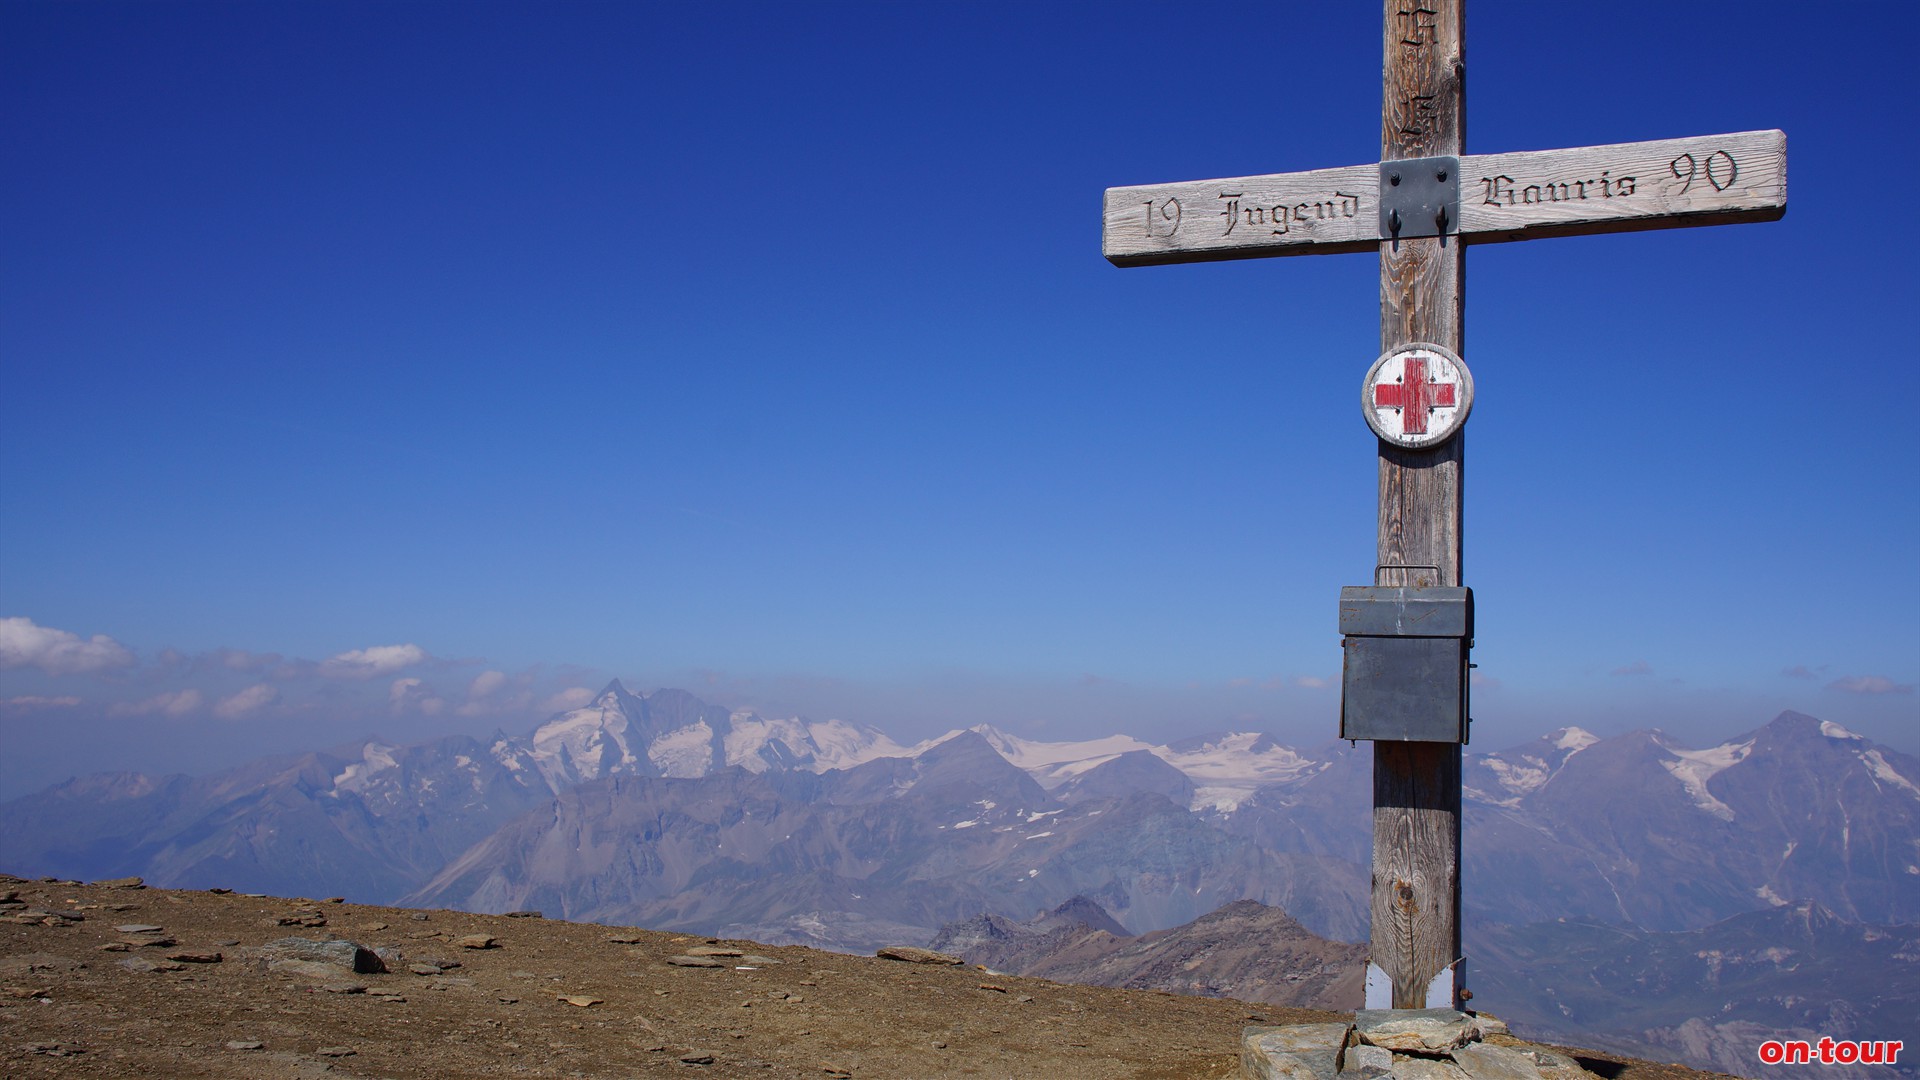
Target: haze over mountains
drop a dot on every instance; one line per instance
(666, 811)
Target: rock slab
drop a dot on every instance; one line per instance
(1425, 1031)
(1293, 1051)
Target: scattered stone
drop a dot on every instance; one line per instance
(1293, 1051)
(1415, 1067)
(694, 962)
(582, 1000)
(507, 1000)
(138, 928)
(913, 955)
(1427, 1031)
(626, 939)
(336, 1051)
(114, 946)
(525, 915)
(713, 950)
(196, 957)
(53, 1049)
(28, 963)
(835, 1071)
(155, 943)
(373, 927)
(343, 954)
(312, 969)
(419, 916)
(1367, 1063)
(137, 964)
(334, 900)
(218, 891)
(938, 1045)
(696, 1058)
(476, 941)
(995, 987)
(24, 992)
(122, 883)
(246, 1044)
(1024, 998)
(1483, 1062)
(388, 995)
(343, 988)
(302, 918)
(761, 961)
(1554, 1065)
(425, 969)
(1488, 1024)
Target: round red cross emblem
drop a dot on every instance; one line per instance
(1417, 395)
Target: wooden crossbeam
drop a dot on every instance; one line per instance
(1625, 187)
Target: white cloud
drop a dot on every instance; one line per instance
(571, 698)
(179, 703)
(32, 701)
(485, 684)
(1869, 684)
(413, 695)
(1312, 682)
(57, 652)
(246, 702)
(1638, 667)
(372, 662)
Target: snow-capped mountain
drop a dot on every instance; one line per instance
(672, 733)
(1637, 828)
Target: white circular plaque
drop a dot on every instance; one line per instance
(1417, 395)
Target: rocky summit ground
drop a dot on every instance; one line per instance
(123, 981)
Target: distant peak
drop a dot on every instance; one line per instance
(613, 690)
(1573, 738)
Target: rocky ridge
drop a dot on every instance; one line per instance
(114, 981)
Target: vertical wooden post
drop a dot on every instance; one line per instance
(1416, 786)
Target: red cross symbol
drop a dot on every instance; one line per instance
(1414, 396)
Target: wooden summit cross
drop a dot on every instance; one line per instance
(1420, 206)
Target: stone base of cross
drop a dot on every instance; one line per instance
(1419, 207)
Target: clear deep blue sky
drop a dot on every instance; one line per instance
(767, 350)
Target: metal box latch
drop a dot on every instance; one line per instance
(1405, 673)
(1419, 197)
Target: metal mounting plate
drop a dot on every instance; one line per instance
(1419, 197)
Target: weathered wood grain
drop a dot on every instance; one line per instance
(1416, 817)
(1523, 195)
(1247, 217)
(1663, 184)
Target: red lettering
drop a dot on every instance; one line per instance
(1771, 1052)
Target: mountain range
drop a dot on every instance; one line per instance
(667, 811)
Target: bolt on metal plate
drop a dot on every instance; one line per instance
(1419, 197)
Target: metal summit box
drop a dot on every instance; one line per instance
(1405, 674)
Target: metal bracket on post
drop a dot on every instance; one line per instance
(1420, 197)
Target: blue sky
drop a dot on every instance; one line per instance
(402, 368)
